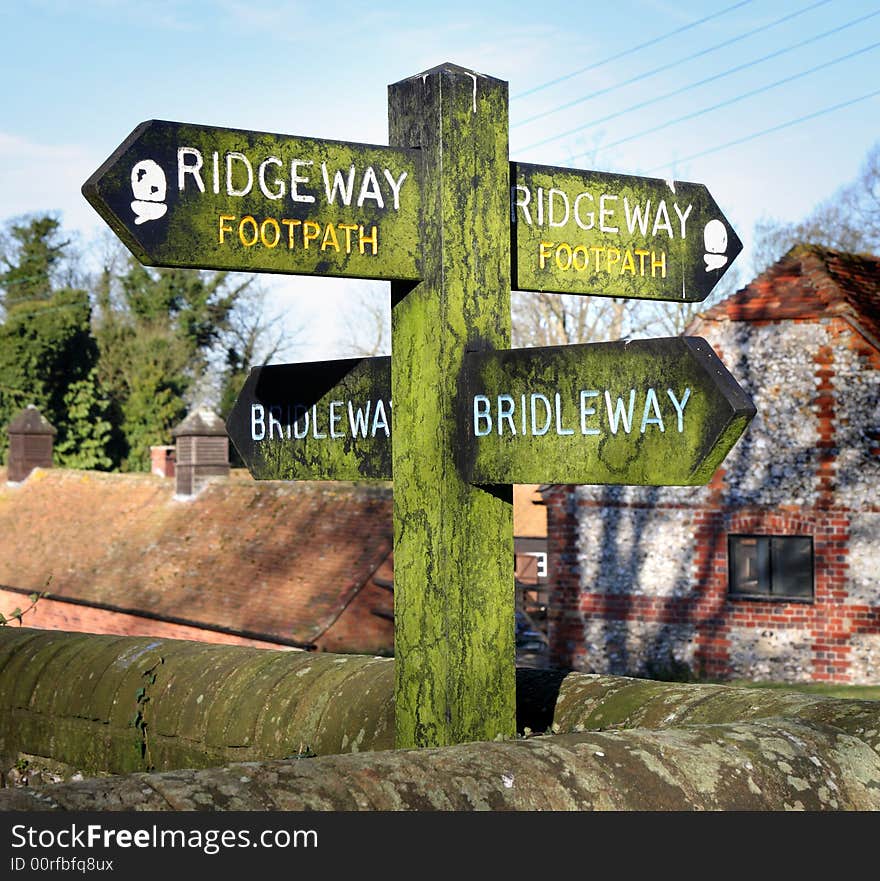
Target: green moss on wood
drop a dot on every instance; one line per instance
(453, 553)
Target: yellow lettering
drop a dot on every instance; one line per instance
(629, 265)
(247, 219)
(272, 223)
(563, 246)
(614, 259)
(580, 249)
(641, 254)
(349, 229)
(310, 236)
(544, 253)
(658, 264)
(330, 239)
(290, 224)
(223, 227)
(596, 251)
(372, 239)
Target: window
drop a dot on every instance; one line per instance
(540, 563)
(771, 566)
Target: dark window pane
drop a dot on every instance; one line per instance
(792, 557)
(749, 564)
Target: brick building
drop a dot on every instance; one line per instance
(772, 571)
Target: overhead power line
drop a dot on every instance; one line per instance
(768, 131)
(705, 81)
(631, 50)
(729, 101)
(671, 64)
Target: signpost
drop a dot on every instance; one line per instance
(454, 225)
(588, 232)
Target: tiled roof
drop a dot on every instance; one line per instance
(284, 560)
(810, 282)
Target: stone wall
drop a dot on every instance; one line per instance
(604, 742)
(117, 704)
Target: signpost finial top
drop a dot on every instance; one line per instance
(449, 67)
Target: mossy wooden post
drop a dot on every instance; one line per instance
(455, 211)
(453, 542)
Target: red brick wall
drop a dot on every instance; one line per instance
(51, 614)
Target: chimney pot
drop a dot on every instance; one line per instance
(201, 451)
(31, 438)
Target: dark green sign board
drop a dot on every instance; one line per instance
(215, 198)
(433, 214)
(655, 412)
(328, 420)
(589, 232)
(658, 412)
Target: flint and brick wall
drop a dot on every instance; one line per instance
(640, 575)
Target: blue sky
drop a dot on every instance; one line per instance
(78, 77)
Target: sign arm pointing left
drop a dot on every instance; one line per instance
(191, 196)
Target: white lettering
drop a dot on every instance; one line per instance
(617, 413)
(300, 421)
(258, 422)
(559, 429)
(527, 196)
(506, 408)
(183, 169)
(379, 419)
(335, 419)
(231, 189)
(370, 189)
(358, 423)
(278, 193)
(317, 435)
(590, 214)
(679, 406)
(482, 412)
(606, 212)
(296, 179)
(651, 403)
(638, 216)
(661, 221)
(275, 422)
(548, 410)
(587, 411)
(344, 188)
(682, 217)
(550, 194)
(395, 187)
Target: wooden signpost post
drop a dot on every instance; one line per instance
(454, 417)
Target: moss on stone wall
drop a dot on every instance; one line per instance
(102, 704)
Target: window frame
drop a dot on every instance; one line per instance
(770, 596)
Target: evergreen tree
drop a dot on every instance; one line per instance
(32, 253)
(47, 352)
(160, 332)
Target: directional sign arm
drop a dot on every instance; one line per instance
(328, 420)
(646, 412)
(199, 197)
(590, 232)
